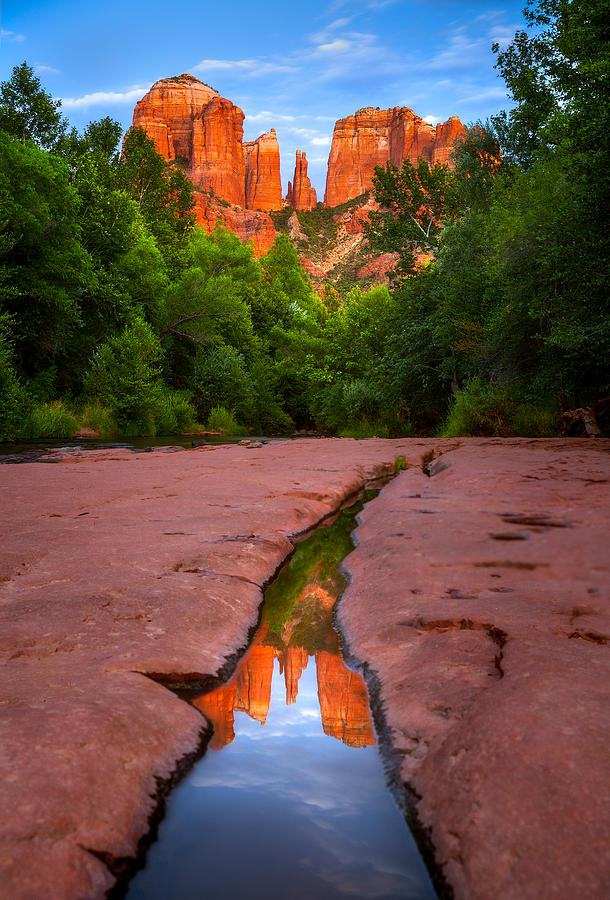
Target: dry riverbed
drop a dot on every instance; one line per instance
(478, 603)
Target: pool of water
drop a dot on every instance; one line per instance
(291, 800)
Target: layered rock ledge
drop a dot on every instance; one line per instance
(115, 567)
(476, 601)
(479, 602)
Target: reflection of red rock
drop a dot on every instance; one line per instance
(301, 195)
(343, 702)
(293, 662)
(217, 707)
(254, 683)
(372, 137)
(263, 183)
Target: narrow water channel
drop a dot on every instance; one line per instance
(291, 802)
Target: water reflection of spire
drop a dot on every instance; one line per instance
(341, 694)
(293, 662)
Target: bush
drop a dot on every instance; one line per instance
(125, 376)
(14, 402)
(483, 409)
(174, 413)
(222, 420)
(49, 420)
(98, 418)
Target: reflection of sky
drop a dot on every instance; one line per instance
(284, 812)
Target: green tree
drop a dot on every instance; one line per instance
(125, 374)
(28, 112)
(414, 201)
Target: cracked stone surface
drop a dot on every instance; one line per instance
(114, 564)
(479, 602)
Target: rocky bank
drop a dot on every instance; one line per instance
(477, 605)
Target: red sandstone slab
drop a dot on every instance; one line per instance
(480, 601)
(116, 564)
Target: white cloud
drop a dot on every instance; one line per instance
(243, 66)
(431, 120)
(12, 36)
(46, 69)
(337, 46)
(320, 141)
(496, 93)
(104, 98)
(267, 116)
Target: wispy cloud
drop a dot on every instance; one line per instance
(250, 67)
(267, 116)
(104, 98)
(12, 36)
(321, 141)
(495, 93)
(48, 70)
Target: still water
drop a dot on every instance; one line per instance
(290, 801)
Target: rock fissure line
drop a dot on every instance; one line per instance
(123, 868)
(183, 684)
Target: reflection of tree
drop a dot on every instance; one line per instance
(315, 565)
(298, 623)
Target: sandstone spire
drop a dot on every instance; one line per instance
(301, 195)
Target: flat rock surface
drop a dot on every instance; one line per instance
(115, 566)
(479, 603)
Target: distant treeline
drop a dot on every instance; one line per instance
(117, 313)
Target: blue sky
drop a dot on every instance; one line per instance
(296, 67)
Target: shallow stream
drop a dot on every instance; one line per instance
(290, 801)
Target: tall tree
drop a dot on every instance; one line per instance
(28, 112)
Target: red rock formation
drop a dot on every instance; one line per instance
(190, 120)
(372, 137)
(247, 224)
(301, 195)
(263, 182)
(343, 702)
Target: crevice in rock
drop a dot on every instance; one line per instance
(189, 684)
(591, 636)
(123, 868)
(497, 635)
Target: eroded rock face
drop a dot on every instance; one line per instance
(190, 121)
(263, 182)
(247, 224)
(301, 195)
(372, 137)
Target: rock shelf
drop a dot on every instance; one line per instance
(488, 654)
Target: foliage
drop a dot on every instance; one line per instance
(49, 420)
(28, 112)
(125, 375)
(491, 410)
(222, 420)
